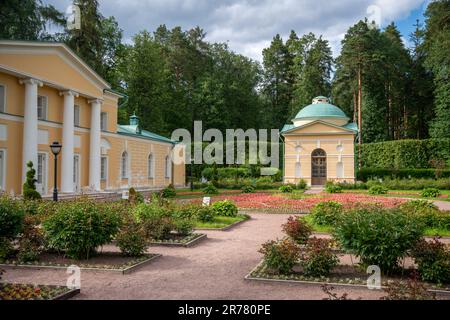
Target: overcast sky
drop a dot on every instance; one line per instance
(249, 25)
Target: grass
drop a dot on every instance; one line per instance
(429, 232)
(413, 194)
(220, 222)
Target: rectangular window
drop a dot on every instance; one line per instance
(42, 107)
(2, 98)
(104, 168)
(104, 121)
(76, 115)
(2, 170)
(40, 169)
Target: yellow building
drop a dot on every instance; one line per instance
(47, 93)
(319, 145)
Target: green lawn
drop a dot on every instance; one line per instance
(220, 222)
(327, 229)
(413, 194)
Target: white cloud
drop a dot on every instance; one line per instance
(249, 25)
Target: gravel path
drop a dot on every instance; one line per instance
(214, 269)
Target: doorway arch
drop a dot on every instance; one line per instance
(318, 167)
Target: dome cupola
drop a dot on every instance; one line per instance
(321, 109)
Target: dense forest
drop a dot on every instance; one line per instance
(172, 76)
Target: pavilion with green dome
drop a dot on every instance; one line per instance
(319, 144)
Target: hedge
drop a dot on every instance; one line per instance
(402, 154)
(365, 174)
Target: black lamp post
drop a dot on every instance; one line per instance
(191, 169)
(56, 149)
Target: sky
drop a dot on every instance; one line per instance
(248, 26)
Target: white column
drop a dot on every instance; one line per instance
(94, 156)
(67, 142)
(30, 124)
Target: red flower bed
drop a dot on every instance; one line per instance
(276, 201)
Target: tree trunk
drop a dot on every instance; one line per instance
(359, 106)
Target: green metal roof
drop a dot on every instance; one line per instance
(133, 130)
(320, 110)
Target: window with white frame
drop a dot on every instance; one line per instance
(104, 121)
(42, 106)
(76, 115)
(104, 168)
(124, 165)
(150, 165)
(168, 168)
(2, 170)
(2, 98)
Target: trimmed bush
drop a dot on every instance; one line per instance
(326, 212)
(366, 174)
(225, 208)
(331, 187)
(248, 189)
(184, 227)
(297, 229)
(210, 189)
(286, 188)
(280, 256)
(433, 260)
(377, 190)
(29, 187)
(378, 236)
(430, 193)
(318, 259)
(414, 184)
(79, 227)
(302, 185)
(169, 192)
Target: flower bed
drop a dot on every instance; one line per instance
(342, 275)
(277, 202)
(16, 291)
(110, 261)
(182, 241)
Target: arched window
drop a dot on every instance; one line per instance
(124, 165)
(339, 170)
(150, 165)
(168, 167)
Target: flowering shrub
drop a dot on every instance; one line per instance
(424, 210)
(297, 229)
(378, 236)
(31, 240)
(210, 189)
(131, 238)
(286, 188)
(331, 187)
(433, 260)
(225, 208)
(412, 289)
(248, 189)
(205, 214)
(326, 212)
(79, 227)
(280, 256)
(318, 259)
(11, 217)
(168, 192)
(378, 189)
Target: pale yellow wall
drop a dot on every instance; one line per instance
(328, 140)
(138, 148)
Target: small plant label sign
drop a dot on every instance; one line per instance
(125, 195)
(206, 201)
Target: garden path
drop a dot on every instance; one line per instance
(214, 269)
